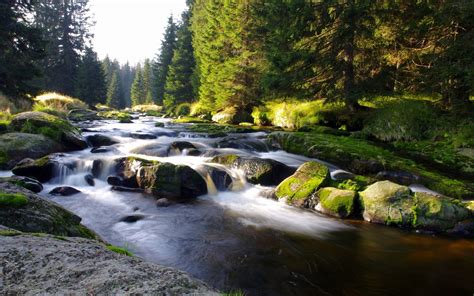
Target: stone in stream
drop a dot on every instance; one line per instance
(97, 167)
(404, 178)
(388, 203)
(25, 182)
(126, 189)
(57, 129)
(257, 170)
(132, 218)
(26, 211)
(152, 150)
(41, 169)
(222, 180)
(102, 149)
(300, 186)
(114, 180)
(17, 146)
(143, 136)
(251, 144)
(163, 202)
(99, 140)
(159, 124)
(176, 148)
(64, 191)
(336, 202)
(89, 179)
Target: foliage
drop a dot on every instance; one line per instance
(138, 93)
(57, 103)
(90, 83)
(182, 109)
(114, 93)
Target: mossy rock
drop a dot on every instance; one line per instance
(41, 169)
(82, 115)
(307, 179)
(53, 127)
(23, 210)
(336, 202)
(16, 146)
(261, 171)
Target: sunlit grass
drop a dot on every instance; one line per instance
(54, 102)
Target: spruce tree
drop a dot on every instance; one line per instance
(147, 82)
(138, 91)
(114, 92)
(90, 84)
(163, 60)
(179, 86)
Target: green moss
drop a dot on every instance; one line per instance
(48, 125)
(12, 200)
(226, 160)
(119, 250)
(8, 232)
(86, 232)
(188, 119)
(337, 202)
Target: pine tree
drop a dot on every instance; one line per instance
(90, 84)
(147, 82)
(163, 60)
(21, 46)
(126, 76)
(138, 91)
(65, 25)
(114, 92)
(179, 85)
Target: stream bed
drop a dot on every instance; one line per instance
(239, 240)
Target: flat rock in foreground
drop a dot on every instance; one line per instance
(32, 265)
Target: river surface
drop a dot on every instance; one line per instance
(239, 240)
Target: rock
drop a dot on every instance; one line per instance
(159, 124)
(89, 179)
(364, 166)
(232, 115)
(99, 140)
(162, 179)
(125, 120)
(269, 194)
(336, 202)
(25, 182)
(246, 144)
(132, 218)
(463, 229)
(114, 180)
(17, 146)
(51, 126)
(163, 202)
(222, 180)
(257, 170)
(102, 149)
(176, 148)
(32, 213)
(143, 136)
(64, 191)
(82, 115)
(152, 150)
(41, 169)
(97, 168)
(403, 178)
(342, 175)
(126, 189)
(392, 204)
(49, 265)
(297, 188)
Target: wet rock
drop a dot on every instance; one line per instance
(16, 146)
(57, 129)
(132, 218)
(99, 140)
(82, 115)
(114, 180)
(392, 204)
(25, 182)
(152, 150)
(127, 189)
(102, 149)
(232, 115)
(41, 169)
(269, 194)
(143, 136)
(336, 202)
(159, 124)
(89, 179)
(77, 266)
(163, 202)
(257, 170)
(222, 180)
(404, 178)
(342, 175)
(178, 147)
(307, 179)
(97, 168)
(463, 229)
(64, 191)
(242, 143)
(32, 213)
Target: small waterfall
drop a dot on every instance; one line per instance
(61, 172)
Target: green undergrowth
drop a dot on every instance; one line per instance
(57, 104)
(12, 200)
(189, 119)
(122, 117)
(119, 250)
(349, 152)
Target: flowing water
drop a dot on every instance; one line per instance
(239, 240)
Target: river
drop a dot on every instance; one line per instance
(239, 240)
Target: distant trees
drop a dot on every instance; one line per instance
(21, 46)
(138, 90)
(90, 84)
(162, 60)
(115, 93)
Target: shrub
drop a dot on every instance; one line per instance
(260, 115)
(182, 109)
(147, 108)
(199, 109)
(402, 121)
(54, 102)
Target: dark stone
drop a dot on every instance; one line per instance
(132, 218)
(255, 145)
(163, 202)
(126, 189)
(404, 178)
(178, 147)
(115, 181)
(101, 150)
(99, 140)
(64, 191)
(89, 179)
(463, 229)
(97, 167)
(159, 124)
(143, 136)
(222, 180)
(41, 169)
(152, 150)
(342, 175)
(25, 182)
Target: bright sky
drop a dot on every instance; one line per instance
(131, 30)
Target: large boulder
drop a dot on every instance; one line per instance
(99, 140)
(392, 204)
(162, 179)
(25, 182)
(26, 211)
(42, 169)
(17, 146)
(232, 115)
(257, 170)
(300, 186)
(336, 202)
(53, 265)
(53, 127)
